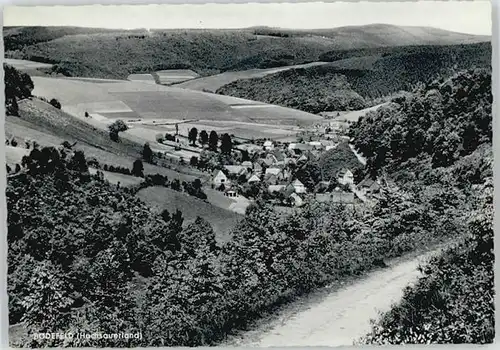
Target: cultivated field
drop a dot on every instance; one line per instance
(212, 83)
(174, 76)
(25, 64)
(221, 220)
(156, 104)
(142, 78)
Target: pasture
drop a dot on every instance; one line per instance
(222, 221)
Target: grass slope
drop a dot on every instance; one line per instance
(369, 73)
(223, 221)
(116, 54)
(49, 126)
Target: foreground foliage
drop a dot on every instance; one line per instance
(454, 300)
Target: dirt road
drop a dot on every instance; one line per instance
(335, 318)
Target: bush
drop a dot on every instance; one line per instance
(55, 103)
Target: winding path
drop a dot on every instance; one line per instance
(338, 317)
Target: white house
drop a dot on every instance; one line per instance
(298, 186)
(220, 179)
(345, 177)
(268, 145)
(253, 179)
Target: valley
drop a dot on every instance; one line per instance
(248, 187)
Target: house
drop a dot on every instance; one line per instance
(257, 168)
(273, 171)
(270, 159)
(275, 188)
(247, 164)
(296, 200)
(345, 177)
(253, 179)
(268, 145)
(235, 169)
(316, 144)
(368, 187)
(220, 179)
(230, 193)
(298, 186)
(302, 158)
(271, 179)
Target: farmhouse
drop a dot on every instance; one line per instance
(345, 177)
(220, 179)
(298, 186)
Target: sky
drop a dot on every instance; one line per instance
(472, 17)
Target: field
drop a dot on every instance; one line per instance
(115, 178)
(13, 155)
(221, 220)
(153, 105)
(142, 78)
(174, 76)
(214, 82)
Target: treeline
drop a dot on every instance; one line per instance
(362, 76)
(87, 255)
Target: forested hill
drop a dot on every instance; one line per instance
(438, 124)
(105, 53)
(356, 78)
(439, 139)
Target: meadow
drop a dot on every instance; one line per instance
(222, 221)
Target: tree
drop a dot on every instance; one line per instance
(193, 161)
(18, 85)
(226, 144)
(115, 128)
(55, 103)
(203, 137)
(199, 233)
(147, 153)
(193, 135)
(137, 168)
(213, 141)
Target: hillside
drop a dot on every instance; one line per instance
(355, 78)
(439, 140)
(116, 54)
(48, 126)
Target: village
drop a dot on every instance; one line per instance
(278, 171)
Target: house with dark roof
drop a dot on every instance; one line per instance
(368, 187)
